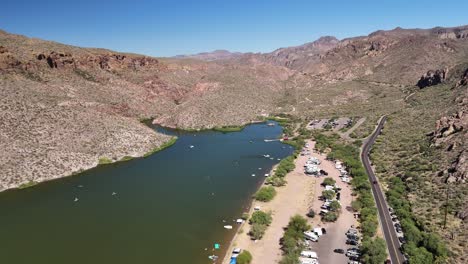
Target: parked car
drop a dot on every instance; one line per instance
(394, 219)
(324, 231)
(399, 230)
(402, 240)
(397, 225)
(339, 251)
(352, 242)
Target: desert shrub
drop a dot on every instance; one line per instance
(374, 251)
(260, 217)
(244, 257)
(330, 217)
(291, 242)
(265, 194)
(328, 181)
(335, 205)
(257, 231)
(329, 195)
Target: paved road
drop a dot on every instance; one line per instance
(385, 220)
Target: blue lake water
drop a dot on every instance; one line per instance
(167, 208)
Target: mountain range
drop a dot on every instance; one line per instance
(65, 107)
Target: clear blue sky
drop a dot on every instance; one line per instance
(167, 28)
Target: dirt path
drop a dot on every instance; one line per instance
(294, 198)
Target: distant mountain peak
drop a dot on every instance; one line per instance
(219, 54)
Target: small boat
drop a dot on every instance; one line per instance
(76, 199)
(272, 158)
(253, 175)
(228, 226)
(213, 257)
(266, 174)
(192, 146)
(266, 156)
(114, 193)
(80, 186)
(271, 124)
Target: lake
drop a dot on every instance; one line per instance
(166, 208)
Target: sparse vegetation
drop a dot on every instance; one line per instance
(165, 145)
(104, 160)
(27, 185)
(227, 129)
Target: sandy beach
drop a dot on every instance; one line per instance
(297, 197)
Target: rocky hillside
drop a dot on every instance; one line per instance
(65, 107)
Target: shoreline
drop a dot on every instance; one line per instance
(225, 256)
(297, 197)
(26, 185)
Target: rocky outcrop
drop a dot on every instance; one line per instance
(463, 80)
(108, 62)
(432, 78)
(7, 60)
(451, 33)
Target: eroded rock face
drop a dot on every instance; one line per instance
(463, 80)
(452, 132)
(432, 78)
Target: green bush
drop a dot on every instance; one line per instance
(104, 160)
(276, 181)
(244, 257)
(291, 242)
(374, 251)
(260, 217)
(330, 217)
(327, 194)
(265, 194)
(328, 181)
(257, 231)
(335, 205)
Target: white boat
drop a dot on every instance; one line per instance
(266, 174)
(192, 146)
(228, 226)
(76, 199)
(114, 193)
(266, 156)
(253, 175)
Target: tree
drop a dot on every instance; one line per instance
(369, 227)
(257, 231)
(260, 217)
(330, 217)
(418, 255)
(298, 223)
(244, 257)
(265, 194)
(374, 251)
(328, 181)
(328, 194)
(335, 205)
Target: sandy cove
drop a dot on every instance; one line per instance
(297, 197)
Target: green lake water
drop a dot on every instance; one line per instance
(167, 208)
